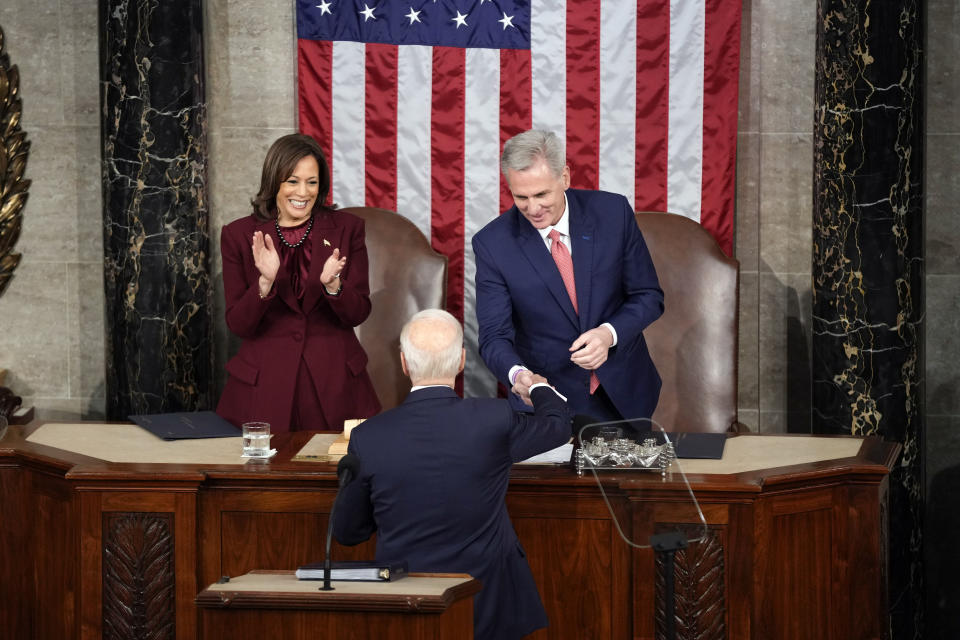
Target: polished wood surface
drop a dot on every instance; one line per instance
(792, 552)
(414, 593)
(264, 604)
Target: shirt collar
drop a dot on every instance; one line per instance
(428, 386)
(563, 224)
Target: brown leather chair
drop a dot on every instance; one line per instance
(694, 342)
(406, 276)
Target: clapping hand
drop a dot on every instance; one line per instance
(266, 259)
(331, 270)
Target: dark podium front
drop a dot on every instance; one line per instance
(121, 549)
(274, 604)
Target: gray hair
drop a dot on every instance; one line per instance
(522, 150)
(432, 359)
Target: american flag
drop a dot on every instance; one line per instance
(412, 100)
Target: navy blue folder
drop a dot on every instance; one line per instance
(185, 425)
(699, 445)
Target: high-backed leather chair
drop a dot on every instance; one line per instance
(694, 342)
(406, 276)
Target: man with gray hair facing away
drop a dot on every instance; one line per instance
(565, 288)
(433, 478)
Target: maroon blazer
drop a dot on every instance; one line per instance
(277, 331)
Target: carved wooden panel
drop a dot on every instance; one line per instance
(138, 576)
(699, 602)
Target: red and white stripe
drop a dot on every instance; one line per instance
(644, 93)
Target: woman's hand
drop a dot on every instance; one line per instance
(267, 261)
(330, 276)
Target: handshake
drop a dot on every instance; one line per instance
(522, 383)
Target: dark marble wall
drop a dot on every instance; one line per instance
(942, 327)
(868, 255)
(156, 237)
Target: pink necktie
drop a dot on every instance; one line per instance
(561, 255)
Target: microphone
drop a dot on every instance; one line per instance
(346, 471)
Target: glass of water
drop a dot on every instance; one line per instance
(256, 439)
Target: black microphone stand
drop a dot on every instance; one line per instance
(346, 469)
(326, 558)
(666, 546)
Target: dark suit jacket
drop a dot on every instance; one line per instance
(277, 331)
(525, 315)
(432, 481)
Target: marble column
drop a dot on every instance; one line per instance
(156, 238)
(868, 255)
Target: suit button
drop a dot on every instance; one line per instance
(297, 336)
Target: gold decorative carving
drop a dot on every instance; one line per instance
(14, 149)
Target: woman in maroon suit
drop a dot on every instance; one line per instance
(295, 283)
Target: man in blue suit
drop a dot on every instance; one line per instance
(433, 477)
(580, 325)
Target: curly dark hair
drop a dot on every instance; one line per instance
(281, 160)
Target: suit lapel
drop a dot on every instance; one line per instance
(325, 236)
(533, 248)
(582, 230)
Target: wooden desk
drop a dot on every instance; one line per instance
(274, 604)
(116, 549)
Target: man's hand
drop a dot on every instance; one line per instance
(537, 379)
(521, 384)
(589, 351)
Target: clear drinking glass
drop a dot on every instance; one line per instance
(256, 439)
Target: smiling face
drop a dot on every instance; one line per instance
(298, 193)
(538, 193)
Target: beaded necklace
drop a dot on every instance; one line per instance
(301, 240)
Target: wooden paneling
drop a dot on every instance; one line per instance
(54, 536)
(560, 548)
(91, 567)
(799, 585)
(797, 553)
(138, 556)
(244, 530)
(702, 581)
(259, 624)
(803, 559)
(739, 543)
(16, 589)
(865, 539)
(139, 584)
